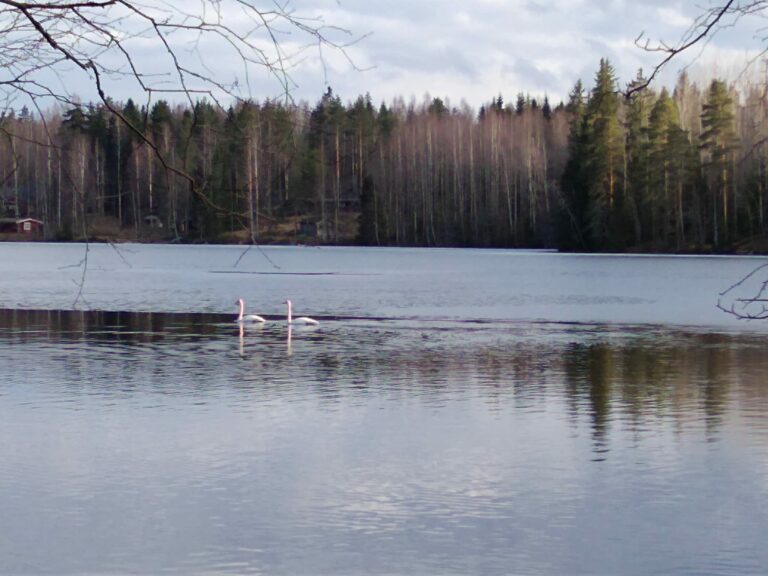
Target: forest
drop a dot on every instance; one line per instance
(681, 170)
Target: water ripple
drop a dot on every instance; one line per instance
(169, 443)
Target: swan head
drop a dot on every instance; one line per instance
(239, 301)
(288, 302)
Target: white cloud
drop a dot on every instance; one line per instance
(672, 17)
(463, 50)
(444, 46)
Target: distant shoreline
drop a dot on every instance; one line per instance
(754, 247)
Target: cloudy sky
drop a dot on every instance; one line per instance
(464, 50)
(474, 50)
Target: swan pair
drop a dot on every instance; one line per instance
(254, 318)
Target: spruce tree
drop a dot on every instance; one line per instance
(574, 182)
(520, 104)
(546, 109)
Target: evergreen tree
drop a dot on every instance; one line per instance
(546, 109)
(605, 159)
(520, 104)
(437, 108)
(361, 131)
(633, 173)
(684, 172)
(573, 225)
(386, 121)
(576, 100)
(637, 155)
(368, 215)
(718, 139)
(326, 131)
(208, 199)
(664, 117)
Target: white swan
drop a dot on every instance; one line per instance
(243, 317)
(301, 319)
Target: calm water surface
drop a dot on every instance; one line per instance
(456, 412)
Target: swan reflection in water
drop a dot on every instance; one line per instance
(306, 327)
(289, 348)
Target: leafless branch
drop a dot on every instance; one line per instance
(701, 30)
(746, 299)
(42, 42)
(100, 38)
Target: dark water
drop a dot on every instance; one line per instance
(381, 443)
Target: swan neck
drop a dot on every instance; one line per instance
(242, 309)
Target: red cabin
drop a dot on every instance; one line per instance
(30, 226)
(24, 227)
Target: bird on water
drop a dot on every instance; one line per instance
(247, 318)
(305, 320)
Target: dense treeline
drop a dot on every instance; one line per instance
(664, 171)
(416, 174)
(660, 171)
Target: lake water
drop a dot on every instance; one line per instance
(456, 412)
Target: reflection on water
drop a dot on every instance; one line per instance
(189, 443)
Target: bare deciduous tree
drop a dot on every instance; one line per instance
(58, 51)
(51, 50)
(161, 47)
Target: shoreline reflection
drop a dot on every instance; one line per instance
(180, 443)
(606, 375)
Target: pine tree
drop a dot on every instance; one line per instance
(684, 171)
(663, 117)
(718, 139)
(638, 165)
(605, 159)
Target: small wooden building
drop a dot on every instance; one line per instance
(20, 228)
(31, 226)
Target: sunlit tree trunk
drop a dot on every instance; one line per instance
(337, 187)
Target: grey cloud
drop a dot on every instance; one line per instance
(532, 74)
(476, 49)
(452, 57)
(538, 7)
